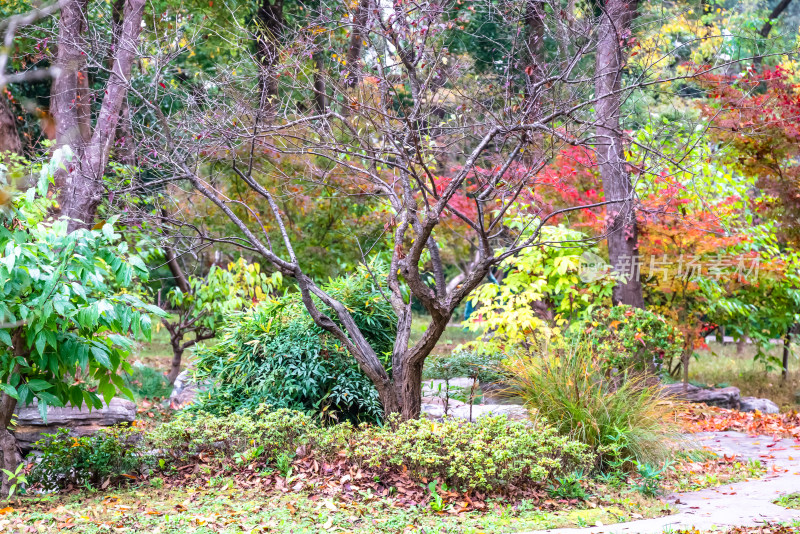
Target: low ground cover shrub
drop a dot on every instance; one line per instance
(490, 454)
(276, 355)
(272, 431)
(621, 419)
(89, 461)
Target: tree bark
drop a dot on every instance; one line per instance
(787, 342)
(534, 70)
(357, 36)
(82, 188)
(622, 230)
(320, 96)
(69, 101)
(175, 268)
(268, 36)
(774, 14)
(9, 451)
(9, 136)
(767, 28)
(175, 366)
(742, 340)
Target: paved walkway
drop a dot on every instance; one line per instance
(743, 504)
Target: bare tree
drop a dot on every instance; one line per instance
(418, 103)
(268, 45)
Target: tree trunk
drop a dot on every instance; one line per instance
(69, 101)
(320, 97)
(787, 341)
(357, 36)
(9, 137)
(82, 188)
(622, 229)
(9, 452)
(403, 394)
(534, 70)
(175, 269)
(268, 36)
(175, 367)
(742, 340)
(686, 356)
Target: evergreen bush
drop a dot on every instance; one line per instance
(276, 356)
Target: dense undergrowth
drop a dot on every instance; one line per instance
(276, 355)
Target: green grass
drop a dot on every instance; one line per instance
(221, 506)
(156, 353)
(790, 500)
(721, 365)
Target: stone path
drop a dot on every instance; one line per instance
(742, 504)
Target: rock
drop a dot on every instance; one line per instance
(80, 422)
(185, 390)
(431, 387)
(722, 397)
(460, 410)
(751, 404)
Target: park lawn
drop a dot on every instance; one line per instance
(224, 507)
(720, 365)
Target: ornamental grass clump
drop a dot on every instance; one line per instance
(620, 415)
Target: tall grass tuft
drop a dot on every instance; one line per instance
(621, 416)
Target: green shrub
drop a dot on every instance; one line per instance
(488, 455)
(624, 337)
(618, 417)
(86, 461)
(568, 487)
(146, 382)
(276, 355)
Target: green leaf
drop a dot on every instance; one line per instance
(108, 231)
(51, 399)
(40, 343)
(43, 410)
(10, 390)
(5, 338)
(37, 385)
(137, 263)
(100, 355)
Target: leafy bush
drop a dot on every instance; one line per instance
(86, 461)
(276, 355)
(541, 294)
(618, 418)
(146, 382)
(625, 337)
(490, 454)
(568, 487)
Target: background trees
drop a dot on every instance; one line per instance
(445, 138)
